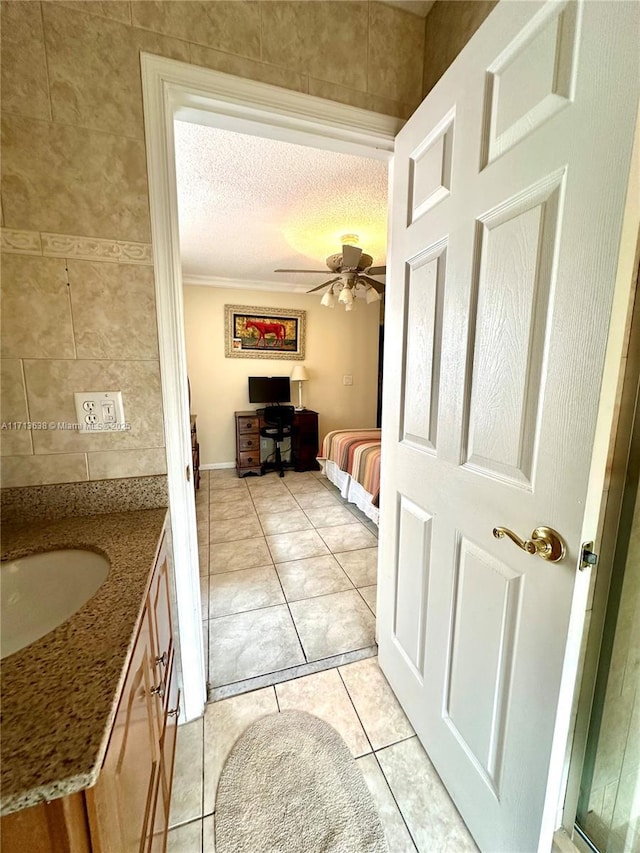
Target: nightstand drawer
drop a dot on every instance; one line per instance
(247, 442)
(249, 458)
(247, 425)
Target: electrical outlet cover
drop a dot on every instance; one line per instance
(99, 411)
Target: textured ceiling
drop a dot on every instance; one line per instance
(249, 205)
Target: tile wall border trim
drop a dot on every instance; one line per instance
(18, 242)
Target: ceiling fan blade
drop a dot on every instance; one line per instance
(320, 286)
(376, 285)
(377, 270)
(351, 256)
(322, 272)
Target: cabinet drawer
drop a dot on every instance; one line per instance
(246, 425)
(246, 442)
(249, 458)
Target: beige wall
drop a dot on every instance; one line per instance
(337, 343)
(449, 26)
(74, 190)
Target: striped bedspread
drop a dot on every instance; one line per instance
(356, 451)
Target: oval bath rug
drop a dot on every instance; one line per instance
(290, 785)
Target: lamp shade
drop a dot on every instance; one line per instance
(299, 373)
(346, 297)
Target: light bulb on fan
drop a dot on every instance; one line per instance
(346, 296)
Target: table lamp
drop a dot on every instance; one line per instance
(299, 375)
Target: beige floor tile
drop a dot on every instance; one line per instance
(186, 797)
(369, 593)
(253, 643)
(224, 722)
(204, 595)
(223, 510)
(230, 556)
(305, 487)
(312, 500)
(226, 484)
(296, 546)
(284, 522)
(361, 565)
(247, 589)
(223, 474)
(432, 818)
(395, 830)
(347, 537)
(332, 624)
(312, 576)
(227, 496)
(274, 503)
(382, 717)
(235, 529)
(323, 695)
(328, 516)
(208, 835)
(186, 838)
(205, 641)
(203, 556)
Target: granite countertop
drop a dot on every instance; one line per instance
(60, 694)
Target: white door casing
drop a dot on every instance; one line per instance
(509, 184)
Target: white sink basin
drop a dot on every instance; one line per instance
(41, 591)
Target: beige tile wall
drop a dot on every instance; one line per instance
(449, 26)
(78, 299)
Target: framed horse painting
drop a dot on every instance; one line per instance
(253, 332)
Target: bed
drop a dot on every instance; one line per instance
(350, 459)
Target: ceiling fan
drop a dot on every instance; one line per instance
(354, 269)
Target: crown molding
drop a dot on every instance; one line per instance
(242, 284)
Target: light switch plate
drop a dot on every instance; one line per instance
(99, 411)
(347, 379)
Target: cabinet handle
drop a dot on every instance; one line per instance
(174, 712)
(158, 691)
(162, 659)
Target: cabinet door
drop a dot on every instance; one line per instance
(162, 634)
(158, 833)
(121, 803)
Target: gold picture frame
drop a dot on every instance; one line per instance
(254, 332)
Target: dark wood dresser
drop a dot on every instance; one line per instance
(304, 441)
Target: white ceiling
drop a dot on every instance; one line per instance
(248, 206)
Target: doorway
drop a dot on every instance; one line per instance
(178, 91)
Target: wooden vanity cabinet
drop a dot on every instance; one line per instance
(127, 810)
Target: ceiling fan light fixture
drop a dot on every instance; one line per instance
(349, 306)
(346, 296)
(372, 295)
(328, 300)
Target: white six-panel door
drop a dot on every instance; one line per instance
(508, 189)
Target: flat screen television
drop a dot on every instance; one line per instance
(269, 389)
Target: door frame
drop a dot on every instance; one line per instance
(170, 90)
(621, 374)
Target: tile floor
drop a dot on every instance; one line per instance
(415, 810)
(288, 578)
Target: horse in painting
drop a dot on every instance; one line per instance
(264, 329)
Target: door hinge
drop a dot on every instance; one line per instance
(188, 473)
(587, 557)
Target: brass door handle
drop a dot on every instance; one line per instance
(545, 542)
